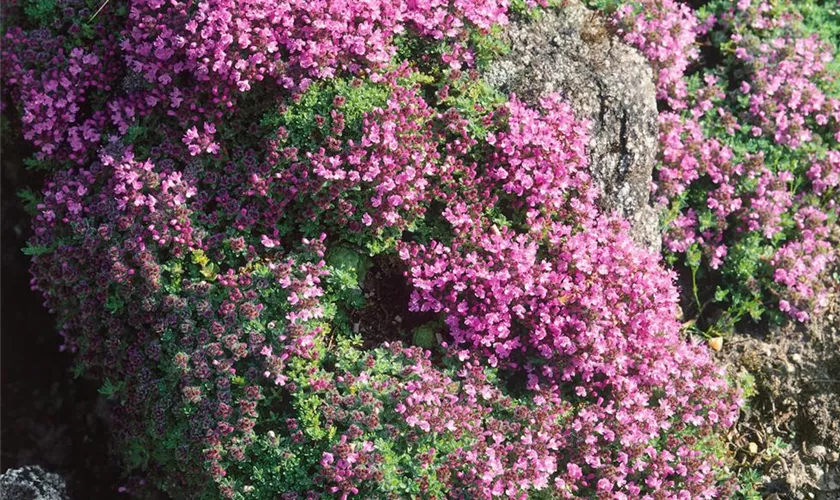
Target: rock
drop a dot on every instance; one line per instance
(818, 451)
(816, 473)
(32, 483)
(571, 51)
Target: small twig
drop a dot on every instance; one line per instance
(775, 424)
(98, 11)
(784, 463)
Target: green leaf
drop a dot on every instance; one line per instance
(210, 271)
(30, 199)
(34, 250)
(114, 303)
(109, 388)
(349, 260)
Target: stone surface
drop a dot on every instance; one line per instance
(571, 51)
(32, 483)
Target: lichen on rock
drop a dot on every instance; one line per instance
(32, 483)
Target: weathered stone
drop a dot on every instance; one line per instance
(818, 451)
(571, 51)
(32, 483)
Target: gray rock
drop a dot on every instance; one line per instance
(32, 483)
(818, 451)
(816, 473)
(571, 51)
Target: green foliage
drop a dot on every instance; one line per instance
(776, 448)
(350, 262)
(605, 5)
(348, 268)
(109, 388)
(207, 269)
(743, 287)
(33, 250)
(424, 335)
(41, 12)
(490, 46)
(748, 481)
(30, 200)
(135, 454)
(52, 14)
(32, 163)
(475, 100)
(301, 118)
(745, 381)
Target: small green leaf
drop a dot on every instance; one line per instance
(30, 199)
(210, 271)
(114, 303)
(109, 388)
(34, 250)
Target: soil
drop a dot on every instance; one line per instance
(385, 316)
(48, 418)
(790, 431)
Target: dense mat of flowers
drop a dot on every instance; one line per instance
(748, 172)
(195, 60)
(220, 174)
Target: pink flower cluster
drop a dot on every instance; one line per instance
(507, 450)
(687, 154)
(391, 165)
(201, 142)
(782, 94)
(540, 160)
(797, 263)
(576, 304)
(233, 45)
(53, 88)
(227, 47)
(787, 75)
(596, 317)
(175, 263)
(825, 174)
(770, 200)
(107, 237)
(665, 32)
(99, 234)
(194, 60)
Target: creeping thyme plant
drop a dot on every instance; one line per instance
(222, 176)
(749, 164)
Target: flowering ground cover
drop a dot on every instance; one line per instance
(749, 136)
(226, 181)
